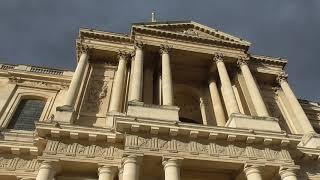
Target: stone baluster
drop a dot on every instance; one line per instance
(137, 74)
(167, 87)
(230, 98)
(252, 172)
(118, 83)
(46, 171)
(77, 79)
(106, 172)
(302, 118)
(131, 167)
(216, 103)
(253, 89)
(288, 173)
(171, 169)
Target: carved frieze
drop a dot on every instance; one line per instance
(37, 84)
(16, 163)
(81, 150)
(207, 148)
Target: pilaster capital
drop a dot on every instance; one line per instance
(107, 169)
(252, 168)
(288, 171)
(165, 49)
(282, 77)
(123, 55)
(138, 45)
(171, 162)
(218, 57)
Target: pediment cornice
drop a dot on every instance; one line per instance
(269, 60)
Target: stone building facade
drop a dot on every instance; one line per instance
(171, 100)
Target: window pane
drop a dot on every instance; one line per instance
(28, 111)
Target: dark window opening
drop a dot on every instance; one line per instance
(27, 112)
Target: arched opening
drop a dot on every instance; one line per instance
(27, 112)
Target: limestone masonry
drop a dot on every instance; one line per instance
(170, 101)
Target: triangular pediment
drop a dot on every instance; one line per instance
(190, 28)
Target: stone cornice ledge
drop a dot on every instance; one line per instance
(132, 124)
(73, 131)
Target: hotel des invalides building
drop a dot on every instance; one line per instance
(170, 101)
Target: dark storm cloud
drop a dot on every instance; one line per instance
(43, 32)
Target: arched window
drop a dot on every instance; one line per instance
(27, 112)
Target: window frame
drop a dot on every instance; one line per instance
(27, 93)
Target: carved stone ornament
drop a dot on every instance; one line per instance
(123, 55)
(80, 150)
(165, 49)
(97, 91)
(218, 57)
(206, 148)
(190, 32)
(138, 45)
(242, 61)
(17, 163)
(282, 77)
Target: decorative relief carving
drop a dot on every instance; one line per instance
(98, 91)
(80, 150)
(17, 163)
(236, 150)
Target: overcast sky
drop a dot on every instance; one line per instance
(43, 32)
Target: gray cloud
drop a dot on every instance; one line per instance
(43, 32)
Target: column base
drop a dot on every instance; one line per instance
(311, 140)
(253, 122)
(65, 114)
(141, 110)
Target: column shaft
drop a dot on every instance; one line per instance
(137, 75)
(252, 173)
(253, 89)
(171, 169)
(118, 84)
(167, 88)
(106, 173)
(131, 168)
(288, 175)
(231, 102)
(46, 171)
(76, 81)
(216, 103)
(297, 109)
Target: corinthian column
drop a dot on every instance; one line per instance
(216, 103)
(106, 172)
(131, 167)
(295, 105)
(230, 98)
(46, 171)
(167, 89)
(118, 83)
(137, 74)
(77, 79)
(171, 169)
(253, 89)
(288, 174)
(252, 172)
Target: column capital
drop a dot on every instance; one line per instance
(164, 48)
(218, 57)
(136, 159)
(167, 162)
(84, 48)
(125, 55)
(282, 77)
(251, 168)
(138, 45)
(107, 169)
(288, 171)
(242, 61)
